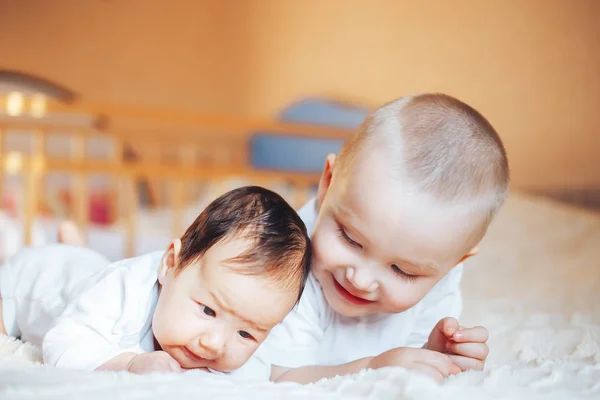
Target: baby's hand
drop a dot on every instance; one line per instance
(465, 346)
(156, 361)
(431, 363)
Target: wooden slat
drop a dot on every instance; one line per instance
(33, 184)
(81, 197)
(2, 174)
(115, 186)
(131, 199)
(177, 204)
(187, 159)
(152, 152)
(44, 127)
(126, 198)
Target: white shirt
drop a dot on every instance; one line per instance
(83, 310)
(314, 334)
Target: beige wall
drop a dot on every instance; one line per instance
(531, 66)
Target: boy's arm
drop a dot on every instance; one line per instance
(314, 373)
(434, 364)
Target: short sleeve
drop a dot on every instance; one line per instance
(295, 342)
(444, 300)
(85, 336)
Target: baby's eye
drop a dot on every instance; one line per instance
(208, 311)
(245, 335)
(403, 274)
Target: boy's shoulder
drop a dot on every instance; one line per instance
(312, 302)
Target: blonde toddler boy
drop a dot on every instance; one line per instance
(397, 212)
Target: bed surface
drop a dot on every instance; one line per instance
(535, 286)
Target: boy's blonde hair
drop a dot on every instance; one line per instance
(443, 147)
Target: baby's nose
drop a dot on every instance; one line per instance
(213, 343)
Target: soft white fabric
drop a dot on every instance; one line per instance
(12, 236)
(112, 315)
(314, 334)
(83, 310)
(37, 284)
(535, 286)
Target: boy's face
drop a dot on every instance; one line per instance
(378, 247)
(210, 316)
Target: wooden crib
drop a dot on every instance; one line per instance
(145, 170)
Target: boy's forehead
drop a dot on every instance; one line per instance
(401, 223)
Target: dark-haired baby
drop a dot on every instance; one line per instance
(207, 302)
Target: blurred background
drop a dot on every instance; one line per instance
(286, 81)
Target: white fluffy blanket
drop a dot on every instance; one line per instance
(536, 286)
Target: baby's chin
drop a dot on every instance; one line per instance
(206, 365)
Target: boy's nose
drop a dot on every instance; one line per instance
(361, 279)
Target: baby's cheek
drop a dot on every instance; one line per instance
(239, 355)
(173, 326)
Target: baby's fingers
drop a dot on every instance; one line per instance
(478, 334)
(174, 366)
(429, 370)
(477, 351)
(466, 363)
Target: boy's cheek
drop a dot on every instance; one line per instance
(400, 296)
(329, 253)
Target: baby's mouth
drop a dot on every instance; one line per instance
(193, 356)
(352, 298)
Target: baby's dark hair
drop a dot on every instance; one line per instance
(281, 249)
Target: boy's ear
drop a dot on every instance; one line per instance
(326, 177)
(473, 252)
(169, 260)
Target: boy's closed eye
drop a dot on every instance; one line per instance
(399, 271)
(344, 235)
(403, 273)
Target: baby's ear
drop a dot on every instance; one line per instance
(473, 252)
(169, 260)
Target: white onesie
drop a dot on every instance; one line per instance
(82, 309)
(314, 334)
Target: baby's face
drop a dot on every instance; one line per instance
(379, 248)
(210, 316)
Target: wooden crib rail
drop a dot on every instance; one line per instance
(233, 125)
(125, 175)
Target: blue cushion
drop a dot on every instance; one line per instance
(303, 154)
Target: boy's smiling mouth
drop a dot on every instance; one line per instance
(345, 293)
